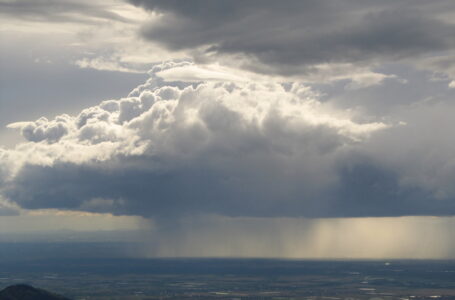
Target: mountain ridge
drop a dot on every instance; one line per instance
(28, 292)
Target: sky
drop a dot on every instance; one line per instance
(295, 129)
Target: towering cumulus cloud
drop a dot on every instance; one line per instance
(239, 148)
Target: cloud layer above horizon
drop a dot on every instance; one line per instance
(239, 148)
(310, 109)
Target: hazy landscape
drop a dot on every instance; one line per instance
(112, 278)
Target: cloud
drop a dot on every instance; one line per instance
(103, 64)
(8, 209)
(272, 38)
(62, 11)
(193, 73)
(271, 112)
(243, 148)
(357, 77)
(246, 148)
(442, 66)
(43, 129)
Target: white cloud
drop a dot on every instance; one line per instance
(160, 112)
(43, 129)
(249, 147)
(194, 73)
(102, 64)
(245, 128)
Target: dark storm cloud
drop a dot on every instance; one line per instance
(233, 149)
(289, 37)
(238, 149)
(59, 11)
(368, 189)
(364, 189)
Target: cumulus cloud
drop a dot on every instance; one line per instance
(43, 129)
(233, 148)
(265, 112)
(243, 148)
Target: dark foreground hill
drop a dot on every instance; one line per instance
(27, 292)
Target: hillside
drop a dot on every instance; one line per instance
(27, 292)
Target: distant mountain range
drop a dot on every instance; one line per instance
(27, 292)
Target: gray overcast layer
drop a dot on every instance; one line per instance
(289, 37)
